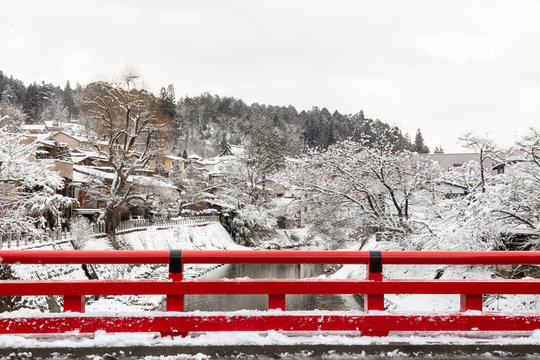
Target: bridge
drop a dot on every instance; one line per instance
(374, 321)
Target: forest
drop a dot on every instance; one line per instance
(204, 124)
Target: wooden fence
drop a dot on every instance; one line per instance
(57, 235)
(32, 240)
(134, 225)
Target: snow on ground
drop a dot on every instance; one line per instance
(47, 272)
(287, 239)
(204, 237)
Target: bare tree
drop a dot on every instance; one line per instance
(486, 149)
(131, 131)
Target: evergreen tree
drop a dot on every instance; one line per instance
(223, 142)
(48, 92)
(17, 88)
(331, 138)
(419, 145)
(8, 95)
(32, 103)
(69, 101)
(167, 102)
(438, 150)
(184, 154)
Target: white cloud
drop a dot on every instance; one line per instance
(443, 66)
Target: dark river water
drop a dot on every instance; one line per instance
(260, 302)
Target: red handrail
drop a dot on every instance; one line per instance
(267, 257)
(373, 288)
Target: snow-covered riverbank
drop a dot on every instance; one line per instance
(427, 302)
(204, 237)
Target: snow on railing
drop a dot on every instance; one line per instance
(140, 224)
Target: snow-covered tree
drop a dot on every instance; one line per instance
(264, 155)
(11, 117)
(27, 187)
(493, 219)
(486, 149)
(132, 130)
(356, 186)
(519, 201)
(467, 175)
(8, 95)
(55, 110)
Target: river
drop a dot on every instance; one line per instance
(260, 302)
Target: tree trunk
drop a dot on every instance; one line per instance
(482, 171)
(112, 220)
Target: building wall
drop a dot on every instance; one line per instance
(72, 143)
(449, 161)
(64, 169)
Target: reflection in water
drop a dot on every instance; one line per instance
(260, 302)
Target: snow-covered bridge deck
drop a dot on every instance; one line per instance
(275, 344)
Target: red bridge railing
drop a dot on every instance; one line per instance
(373, 321)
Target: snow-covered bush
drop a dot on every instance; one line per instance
(249, 225)
(8, 303)
(82, 232)
(27, 187)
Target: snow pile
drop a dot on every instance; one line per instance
(211, 236)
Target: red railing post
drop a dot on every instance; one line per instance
(176, 267)
(276, 301)
(374, 301)
(175, 302)
(470, 302)
(74, 303)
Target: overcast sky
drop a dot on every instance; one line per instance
(445, 67)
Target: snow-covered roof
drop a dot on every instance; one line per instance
(46, 142)
(83, 174)
(237, 150)
(453, 184)
(194, 157)
(29, 127)
(79, 155)
(76, 137)
(51, 123)
(174, 157)
(232, 150)
(209, 162)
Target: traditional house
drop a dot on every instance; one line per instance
(34, 129)
(167, 162)
(450, 189)
(448, 162)
(232, 150)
